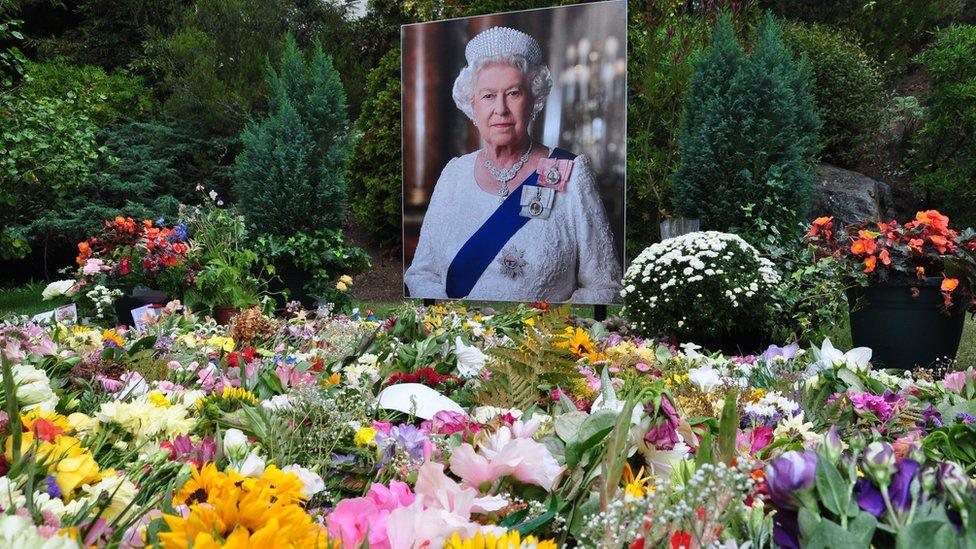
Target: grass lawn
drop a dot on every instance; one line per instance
(26, 300)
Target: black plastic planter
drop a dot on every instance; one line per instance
(135, 298)
(903, 329)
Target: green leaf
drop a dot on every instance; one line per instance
(568, 425)
(863, 525)
(834, 492)
(728, 427)
(592, 432)
(927, 533)
(830, 535)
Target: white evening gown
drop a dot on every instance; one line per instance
(569, 256)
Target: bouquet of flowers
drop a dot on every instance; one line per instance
(127, 254)
(924, 248)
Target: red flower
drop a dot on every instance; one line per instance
(680, 540)
(45, 430)
(124, 267)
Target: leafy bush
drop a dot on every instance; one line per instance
(147, 170)
(699, 286)
(47, 147)
(322, 254)
(291, 175)
(848, 90)
(749, 135)
(945, 156)
(892, 31)
(107, 98)
(375, 174)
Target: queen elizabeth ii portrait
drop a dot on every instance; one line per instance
(517, 218)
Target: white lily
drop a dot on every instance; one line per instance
(827, 356)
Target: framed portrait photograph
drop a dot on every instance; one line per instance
(514, 155)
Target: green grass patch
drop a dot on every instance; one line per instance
(26, 300)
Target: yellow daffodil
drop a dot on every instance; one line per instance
(341, 286)
(346, 279)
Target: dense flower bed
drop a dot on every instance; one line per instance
(449, 427)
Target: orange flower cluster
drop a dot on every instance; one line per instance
(866, 245)
(920, 248)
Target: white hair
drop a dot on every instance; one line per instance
(536, 75)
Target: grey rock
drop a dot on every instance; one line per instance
(850, 197)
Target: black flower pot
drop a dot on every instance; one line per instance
(294, 281)
(135, 298)
(905, 324)
(741, 343)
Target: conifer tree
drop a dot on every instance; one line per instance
(291, 174)
(749, 136)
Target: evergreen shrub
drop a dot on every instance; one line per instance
(375, 175)
(291, 175)
(749, 137)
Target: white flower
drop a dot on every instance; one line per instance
(827, 356)
(795, 426)
(252, 466)
(33, 388)
(470, 359)
(235, 443)
(312, 483)
(278, 403)
(55, 289)
(484, 414)
(706, 378)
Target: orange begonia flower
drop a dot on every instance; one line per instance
(950, 284)
(885, 257)
(920, 271)
(870, 263)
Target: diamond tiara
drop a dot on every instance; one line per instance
(502, 40)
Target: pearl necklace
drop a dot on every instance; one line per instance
(504, 175)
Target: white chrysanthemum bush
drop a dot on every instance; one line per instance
(701, 286)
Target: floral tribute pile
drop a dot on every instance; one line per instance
(449, 427)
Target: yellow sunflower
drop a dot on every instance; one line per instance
(509, 540)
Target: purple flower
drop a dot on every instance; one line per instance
(833, 446)
(900, 489)
(782, 353)
(963, 417)
(930, 416)
(869, 497)
(879, 462)
(786, 529)
(664, 434)
(790, 473)
(407, 437)
(52, 487)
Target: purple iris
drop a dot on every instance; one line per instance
(774, 351)
(790, 473)
(869, 497)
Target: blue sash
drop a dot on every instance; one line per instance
(480, 250)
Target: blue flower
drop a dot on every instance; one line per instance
(52, 487)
